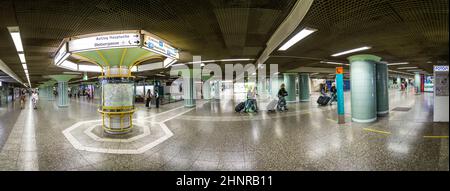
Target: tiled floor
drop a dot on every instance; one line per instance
(213, 137)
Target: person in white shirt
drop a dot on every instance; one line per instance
(34, 98)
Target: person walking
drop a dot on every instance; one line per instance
(148, 99)
(34, 99)
(22, 100)
(156, 95)
(282, 93)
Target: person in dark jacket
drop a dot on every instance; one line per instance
(282, 93)
(333, 92)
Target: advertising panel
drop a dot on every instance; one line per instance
(117, 95)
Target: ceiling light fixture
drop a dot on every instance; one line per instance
(351, 51)
(15, 35)
(22, 58)
(398, 63)
(336, 63)
(402, 68)
(299, 36)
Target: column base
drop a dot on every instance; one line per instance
(341, 119)
(364, 120)
(383, 113)
(189, 106)
(305, 100)
(63, 105)
(291, 101)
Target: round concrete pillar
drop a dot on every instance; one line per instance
(417, 82)
(363, 91)
(382, 89)
(63, 98)
(289, 82)
(189, 91)
(303, 83)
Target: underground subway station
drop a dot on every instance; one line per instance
(224, 85)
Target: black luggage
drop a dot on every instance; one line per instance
(323, 100)
(239, 107)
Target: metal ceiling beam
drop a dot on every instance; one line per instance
(286, 28)
(8, 71)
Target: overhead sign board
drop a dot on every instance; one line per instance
(62, 52)
(105, 41)
(160, 47)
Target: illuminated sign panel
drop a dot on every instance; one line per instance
(105, 41)
(62, 52)
(160, 47)
(441, 68)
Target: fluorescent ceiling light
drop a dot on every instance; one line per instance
(351, 51)
(222, 60)
(160, 75)
(399, 63)
(254, 73)
(17, 41)
(299, 36)
(238, 59)
(402, 68)
(336, 63)
(276, 73)
(414, 70)
(22, 58)
(25, 66)
(313, 74)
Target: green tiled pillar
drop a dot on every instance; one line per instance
(382, 89)
(275, 83)
(303, 83)
(363, 90)
(50, 95)
(97, 91)
(63, 98)
(189, 91)
(417, 83)
(289, 82)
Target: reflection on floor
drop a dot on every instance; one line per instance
(213, 137)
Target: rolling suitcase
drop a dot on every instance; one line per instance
(239, 107)
(272, 105)
(323, 100)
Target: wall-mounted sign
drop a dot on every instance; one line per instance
(441, 77)
(160, 46)
(105, 41)
(61, 55)
(441, 68)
